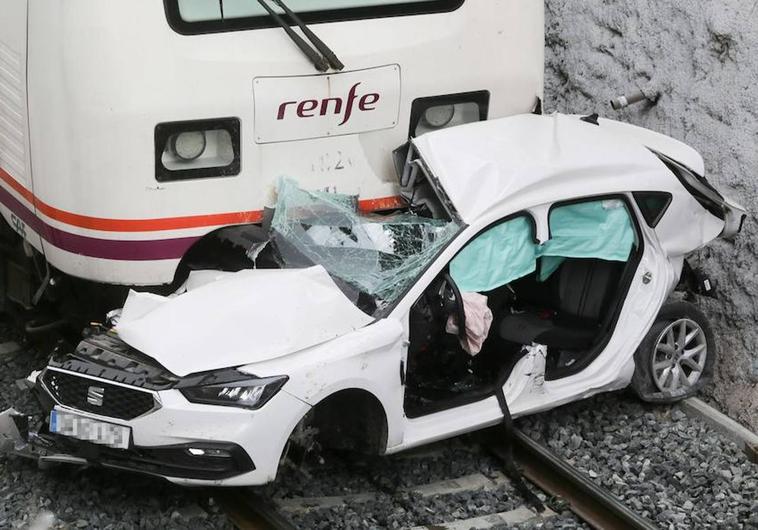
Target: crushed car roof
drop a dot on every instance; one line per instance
(481, 165)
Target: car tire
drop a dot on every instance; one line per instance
(667, 371)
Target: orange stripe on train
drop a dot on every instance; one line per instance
(165, 223)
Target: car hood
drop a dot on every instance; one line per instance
(224, 320)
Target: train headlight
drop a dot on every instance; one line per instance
(188, 146)
(439, 116)
(438, 112)
(197, 149)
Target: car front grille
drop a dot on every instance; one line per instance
(97, 397)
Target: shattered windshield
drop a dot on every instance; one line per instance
(373, 258)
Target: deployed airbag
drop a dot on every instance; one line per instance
(497, 257)
(507, 252)
(597, 229)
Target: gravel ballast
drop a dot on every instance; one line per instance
(69, 497)
(663, 464)
(393, 482)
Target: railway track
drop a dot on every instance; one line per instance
(564, 487)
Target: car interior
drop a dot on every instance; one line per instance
(565, 294)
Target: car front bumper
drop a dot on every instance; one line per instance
(251, 442)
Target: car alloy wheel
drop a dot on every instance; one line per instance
(680, 356)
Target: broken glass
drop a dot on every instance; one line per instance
(379, 255)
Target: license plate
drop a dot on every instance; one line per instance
(89, 430)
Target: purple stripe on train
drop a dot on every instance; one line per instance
(157, 249)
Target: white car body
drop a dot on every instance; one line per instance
(297, 323)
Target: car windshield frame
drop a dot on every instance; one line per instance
(265, 21)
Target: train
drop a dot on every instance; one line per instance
(132, 132)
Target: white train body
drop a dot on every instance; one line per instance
(86, 85)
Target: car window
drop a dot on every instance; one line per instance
(653, 205)
(496, 257)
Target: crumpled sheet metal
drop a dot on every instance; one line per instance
(283, 311)
(523, 154)
(379, 255)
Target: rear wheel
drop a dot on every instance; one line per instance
(676, 358)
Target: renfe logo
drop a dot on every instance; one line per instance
(309, 108)
(321, 106)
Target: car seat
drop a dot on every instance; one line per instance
(583, 290)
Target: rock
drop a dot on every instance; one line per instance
(678, 415)
(705, 65)
(679, 478)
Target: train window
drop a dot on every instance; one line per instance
(209, 16)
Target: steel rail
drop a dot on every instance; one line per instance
(249, 511)
(595, 505)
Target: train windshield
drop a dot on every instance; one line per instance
(200, 16)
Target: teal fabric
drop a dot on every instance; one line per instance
(507, 252)
(548, 265)
(597, 229)
(497, 257)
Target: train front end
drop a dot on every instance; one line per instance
(130, 131)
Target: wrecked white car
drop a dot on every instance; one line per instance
(531, 268)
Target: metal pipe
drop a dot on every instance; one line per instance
(622, 102)
(635, 97)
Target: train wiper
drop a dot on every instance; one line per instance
(322, 57)
(325, 50)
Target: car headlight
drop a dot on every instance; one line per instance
(249, 394)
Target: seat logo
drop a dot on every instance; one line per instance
(95, 395)
(342, 107)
